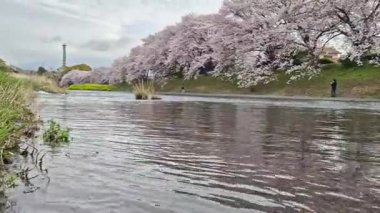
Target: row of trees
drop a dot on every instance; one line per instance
(250, 40)
(100, 75)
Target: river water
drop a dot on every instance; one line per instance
(188, 154)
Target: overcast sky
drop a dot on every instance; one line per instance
(96, 31)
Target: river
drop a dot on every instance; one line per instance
(189, 154)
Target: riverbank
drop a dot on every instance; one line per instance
(357, 82)
(267, 97)
(16, 117)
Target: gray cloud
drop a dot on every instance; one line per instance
(106, 45)
(96, 31)
(54, 39)
(98, 45)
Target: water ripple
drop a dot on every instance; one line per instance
(209, 155)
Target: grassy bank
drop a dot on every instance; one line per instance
(360, 82)
(16, 94)
(101, 87)
(16, 119)
(39, 82)
(93, 87)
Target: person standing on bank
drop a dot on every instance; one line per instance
(334, 85)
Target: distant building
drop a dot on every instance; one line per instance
(331, 53)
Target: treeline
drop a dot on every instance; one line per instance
(250, 40)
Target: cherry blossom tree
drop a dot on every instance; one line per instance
(263, 44)
(101, 75)
(310, 29)
(249, 41)
(118, 70)
(358, 23)
(75, 77)
(151, 56)
(190, 50)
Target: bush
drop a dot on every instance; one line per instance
(178, 74)
(56, 135)
(144, 90)
(348, 63)
(326, 61)
(300, 57)
(81, 67)
(372, 56)
(41, 71)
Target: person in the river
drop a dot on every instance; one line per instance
(334, 85)
(183, 89)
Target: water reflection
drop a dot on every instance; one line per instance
(196, 156)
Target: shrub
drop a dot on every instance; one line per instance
(81, 67)
(326, 61)
(348, 63)
(300, 57)
(56, 135)
(372, 56)
(144, 90)
(41, 71)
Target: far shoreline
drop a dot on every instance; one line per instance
(248, 96)
(269, 97)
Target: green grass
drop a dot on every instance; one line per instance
(123, 87)
(102, 87)
(17, 121)
(93, 87)
(359, 82)
(15, 115)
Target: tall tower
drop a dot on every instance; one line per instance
(64, 55)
